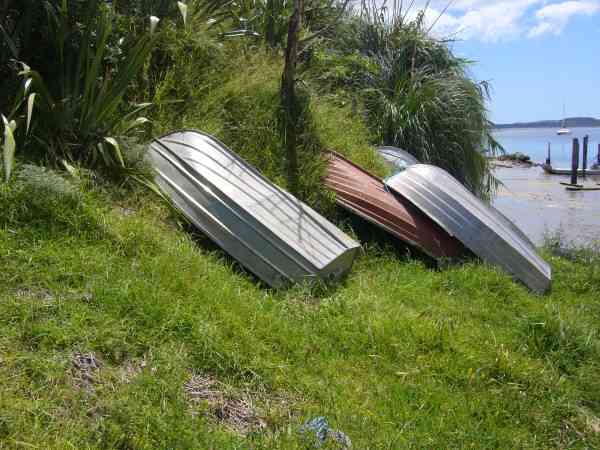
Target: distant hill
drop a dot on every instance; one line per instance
(570, 122)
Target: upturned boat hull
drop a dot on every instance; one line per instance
(366, 196)
(481, 228)
(397, 158)
(269, 231)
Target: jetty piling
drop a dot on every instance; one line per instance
(549, 161)
(585, 153)
(574, 161)
(598, 156)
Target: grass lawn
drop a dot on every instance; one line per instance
(110, 315)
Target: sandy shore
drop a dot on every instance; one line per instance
(539, 204)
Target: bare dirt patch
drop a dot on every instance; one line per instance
(40, 294)
(133, 368)
(85, 370)
(233, 409)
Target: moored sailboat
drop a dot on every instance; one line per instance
(563, 130)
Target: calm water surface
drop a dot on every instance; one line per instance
(534, 142)
(538, 204)
(536, 201)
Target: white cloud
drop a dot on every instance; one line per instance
(555, 17)
(497, 20)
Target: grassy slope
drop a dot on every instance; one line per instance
(397, 356)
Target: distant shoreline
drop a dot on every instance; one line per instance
(552, 129)
(571, 122)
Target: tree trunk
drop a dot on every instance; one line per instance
(270, 33)
(289, 100)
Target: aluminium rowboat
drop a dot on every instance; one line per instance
(365, 195)
(396, 158)
(480, 227)
(268, 230)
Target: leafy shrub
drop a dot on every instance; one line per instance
(80, 113)
(143, 9)
(417, 94)
(186, 67)
(267, 18)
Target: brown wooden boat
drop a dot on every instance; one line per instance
(365, 195)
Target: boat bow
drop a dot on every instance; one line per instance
(480, 227)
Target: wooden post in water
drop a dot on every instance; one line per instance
(575, 161)
(548, 159)
(598, 157)
(585, 153)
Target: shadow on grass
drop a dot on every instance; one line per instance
(316, 289)
(373, 237)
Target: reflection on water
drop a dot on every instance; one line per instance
(538, 204)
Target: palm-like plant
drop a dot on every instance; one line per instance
(80, 113)
(266, 18)
(269, 18)
(418, 94)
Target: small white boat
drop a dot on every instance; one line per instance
(563, 130)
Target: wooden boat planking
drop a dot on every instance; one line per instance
(365, 195)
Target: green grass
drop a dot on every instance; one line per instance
(399, 355)
(241, 108)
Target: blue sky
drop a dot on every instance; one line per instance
(536, 53)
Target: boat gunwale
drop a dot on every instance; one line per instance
(383, 148)
(310, 265)
(408, 206)
(219, 240)
(267, 237)
(275, 187)
(567, 171)
(426, 195)
(324, 253)
(487, 210)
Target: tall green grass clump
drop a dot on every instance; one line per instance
(41, 201)
(417, 94)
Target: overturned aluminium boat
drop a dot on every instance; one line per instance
(396, 158)
(481, 228)
(269, 231)
(366, 196)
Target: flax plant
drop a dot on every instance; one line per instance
(81, 113)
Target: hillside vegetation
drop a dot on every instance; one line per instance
(399, 355)
(121, 327)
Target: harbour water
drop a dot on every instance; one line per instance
(536, 201)
(534, 142)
